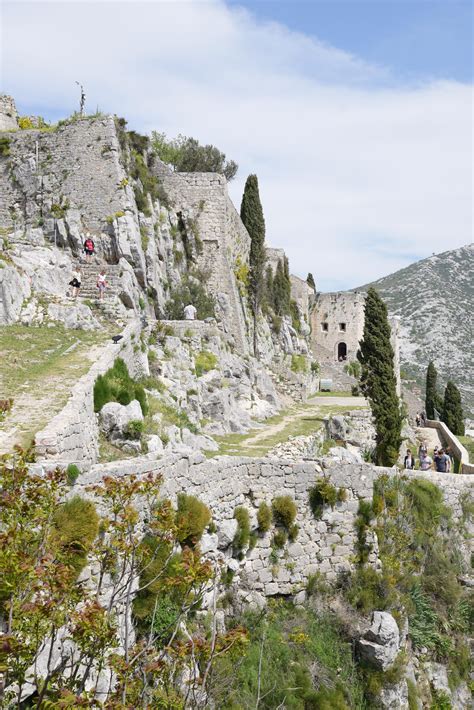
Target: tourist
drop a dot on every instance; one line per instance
(101, 284)
(423, 419)
(89, 247)
(417, 420)
(75, 282)
(422, 450)
(442, 462)
(425, 462)
(450, 455)
(190, 312)
(409, 461)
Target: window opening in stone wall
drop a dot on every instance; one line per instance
(342, 327)
(342, 352)
(324, 327)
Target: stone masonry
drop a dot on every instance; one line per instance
(8, 114)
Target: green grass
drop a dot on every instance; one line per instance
(468, 444)
(332, 394)
(29, 355)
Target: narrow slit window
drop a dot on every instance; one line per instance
(324, 327)
(342, 327)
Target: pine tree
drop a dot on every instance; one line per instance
(378, 381)
(431, 397)
(452, 414)
(251, 213)
(310, 281)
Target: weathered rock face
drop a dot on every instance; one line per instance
(115, 418)
(355, 428)
(380, 644)
(14, 288)
(76, 316)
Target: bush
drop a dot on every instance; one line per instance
(76, 525)
(284, 511)
(4, 146)
(368, 590)
(299, 364)
(186, 155)
(355, 390)
(117, 386)
(242, 536)
(190, 290)
(72, 473)
(264, 517)
(323, 494)
(293, 531)
(315, 367)
(204, 362)
(134, 429)
(192, 518)
(279, 539)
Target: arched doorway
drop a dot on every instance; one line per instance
(341, 352)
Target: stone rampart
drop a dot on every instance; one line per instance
(326, 545)
(77, 164)
(8, 113)
(72, 435)
(449, 439)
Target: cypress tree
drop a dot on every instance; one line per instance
(251, 214)
(269, 287)
(287, 285)
(279, 290)
(431, 396)
(310, 281)
(452, 414)
(378, 381)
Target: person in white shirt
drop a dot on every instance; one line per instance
(190, 312)
(102, 284)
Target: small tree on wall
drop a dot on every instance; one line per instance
(378, 381)
(251, 213)
(452, 414)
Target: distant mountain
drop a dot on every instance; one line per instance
(435, 301)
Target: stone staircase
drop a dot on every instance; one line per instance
(90, 272)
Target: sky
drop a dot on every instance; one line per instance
(355, 115)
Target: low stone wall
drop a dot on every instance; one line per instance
(326, 545)
(181, 328)
(72, 435)
(449, 439)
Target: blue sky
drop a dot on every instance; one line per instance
(431, 38)
(356, 116)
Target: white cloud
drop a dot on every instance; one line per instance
(358, 173)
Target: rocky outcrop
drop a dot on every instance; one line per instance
(380, 644)
(114, 418)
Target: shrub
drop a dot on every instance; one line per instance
(25, 123)
(242, 536)
(72, 473)
(264, 517)
(204, 362)
(293, 531)
(192, 518)
(134, 429)
(368, 590)
(279, 539)
(315, 367)
(284, 511)
(4, 146)
(316, 584)
(355, 390)
(76, 525)
(117, 386)
(186, 154)
(322, 494)
(299, 364)
(191, 290)
(165, 616)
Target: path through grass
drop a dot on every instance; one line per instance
(38, 368)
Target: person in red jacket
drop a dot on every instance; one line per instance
(89, 247)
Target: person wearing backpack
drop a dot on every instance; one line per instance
(89, 247)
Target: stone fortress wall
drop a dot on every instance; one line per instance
(327, 545)
(8, 114)
(337, 319)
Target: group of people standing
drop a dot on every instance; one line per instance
(76, 280)
(443, 459)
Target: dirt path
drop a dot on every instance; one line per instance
(430, 436)
(316, 406)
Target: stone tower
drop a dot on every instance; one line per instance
(337, 325)
(8, 113)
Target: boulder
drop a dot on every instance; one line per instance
(226, 533)
(76, 316)
(381, 642)
(154, 444)
(14, 288)
(395, 697)
(115, 417)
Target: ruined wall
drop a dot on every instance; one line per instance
(302, 294)
(333, 310)
(72, 435)
(76, 164)
(8, 113)
(326, 545)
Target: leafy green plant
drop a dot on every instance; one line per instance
(76, 526)
(322, 494)
(264, 517)
(204, 361)
(4, 146)
(284, 511)
(299, 364)
(279, 539)
(242, 536)
(134, 429)
(116, 385)
(192, 518)
(192, 289)
(73, 473)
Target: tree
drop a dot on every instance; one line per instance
(251, 213)
(451, 413)
(310, 281)
(378, 381)
(187, 155)
(431, 397)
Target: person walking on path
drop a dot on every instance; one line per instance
(190, 312)
(89, 247)
(409, 461)
(101, 284)
(422, 450)
(425, 462)
(75, 282)
(442, 462)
